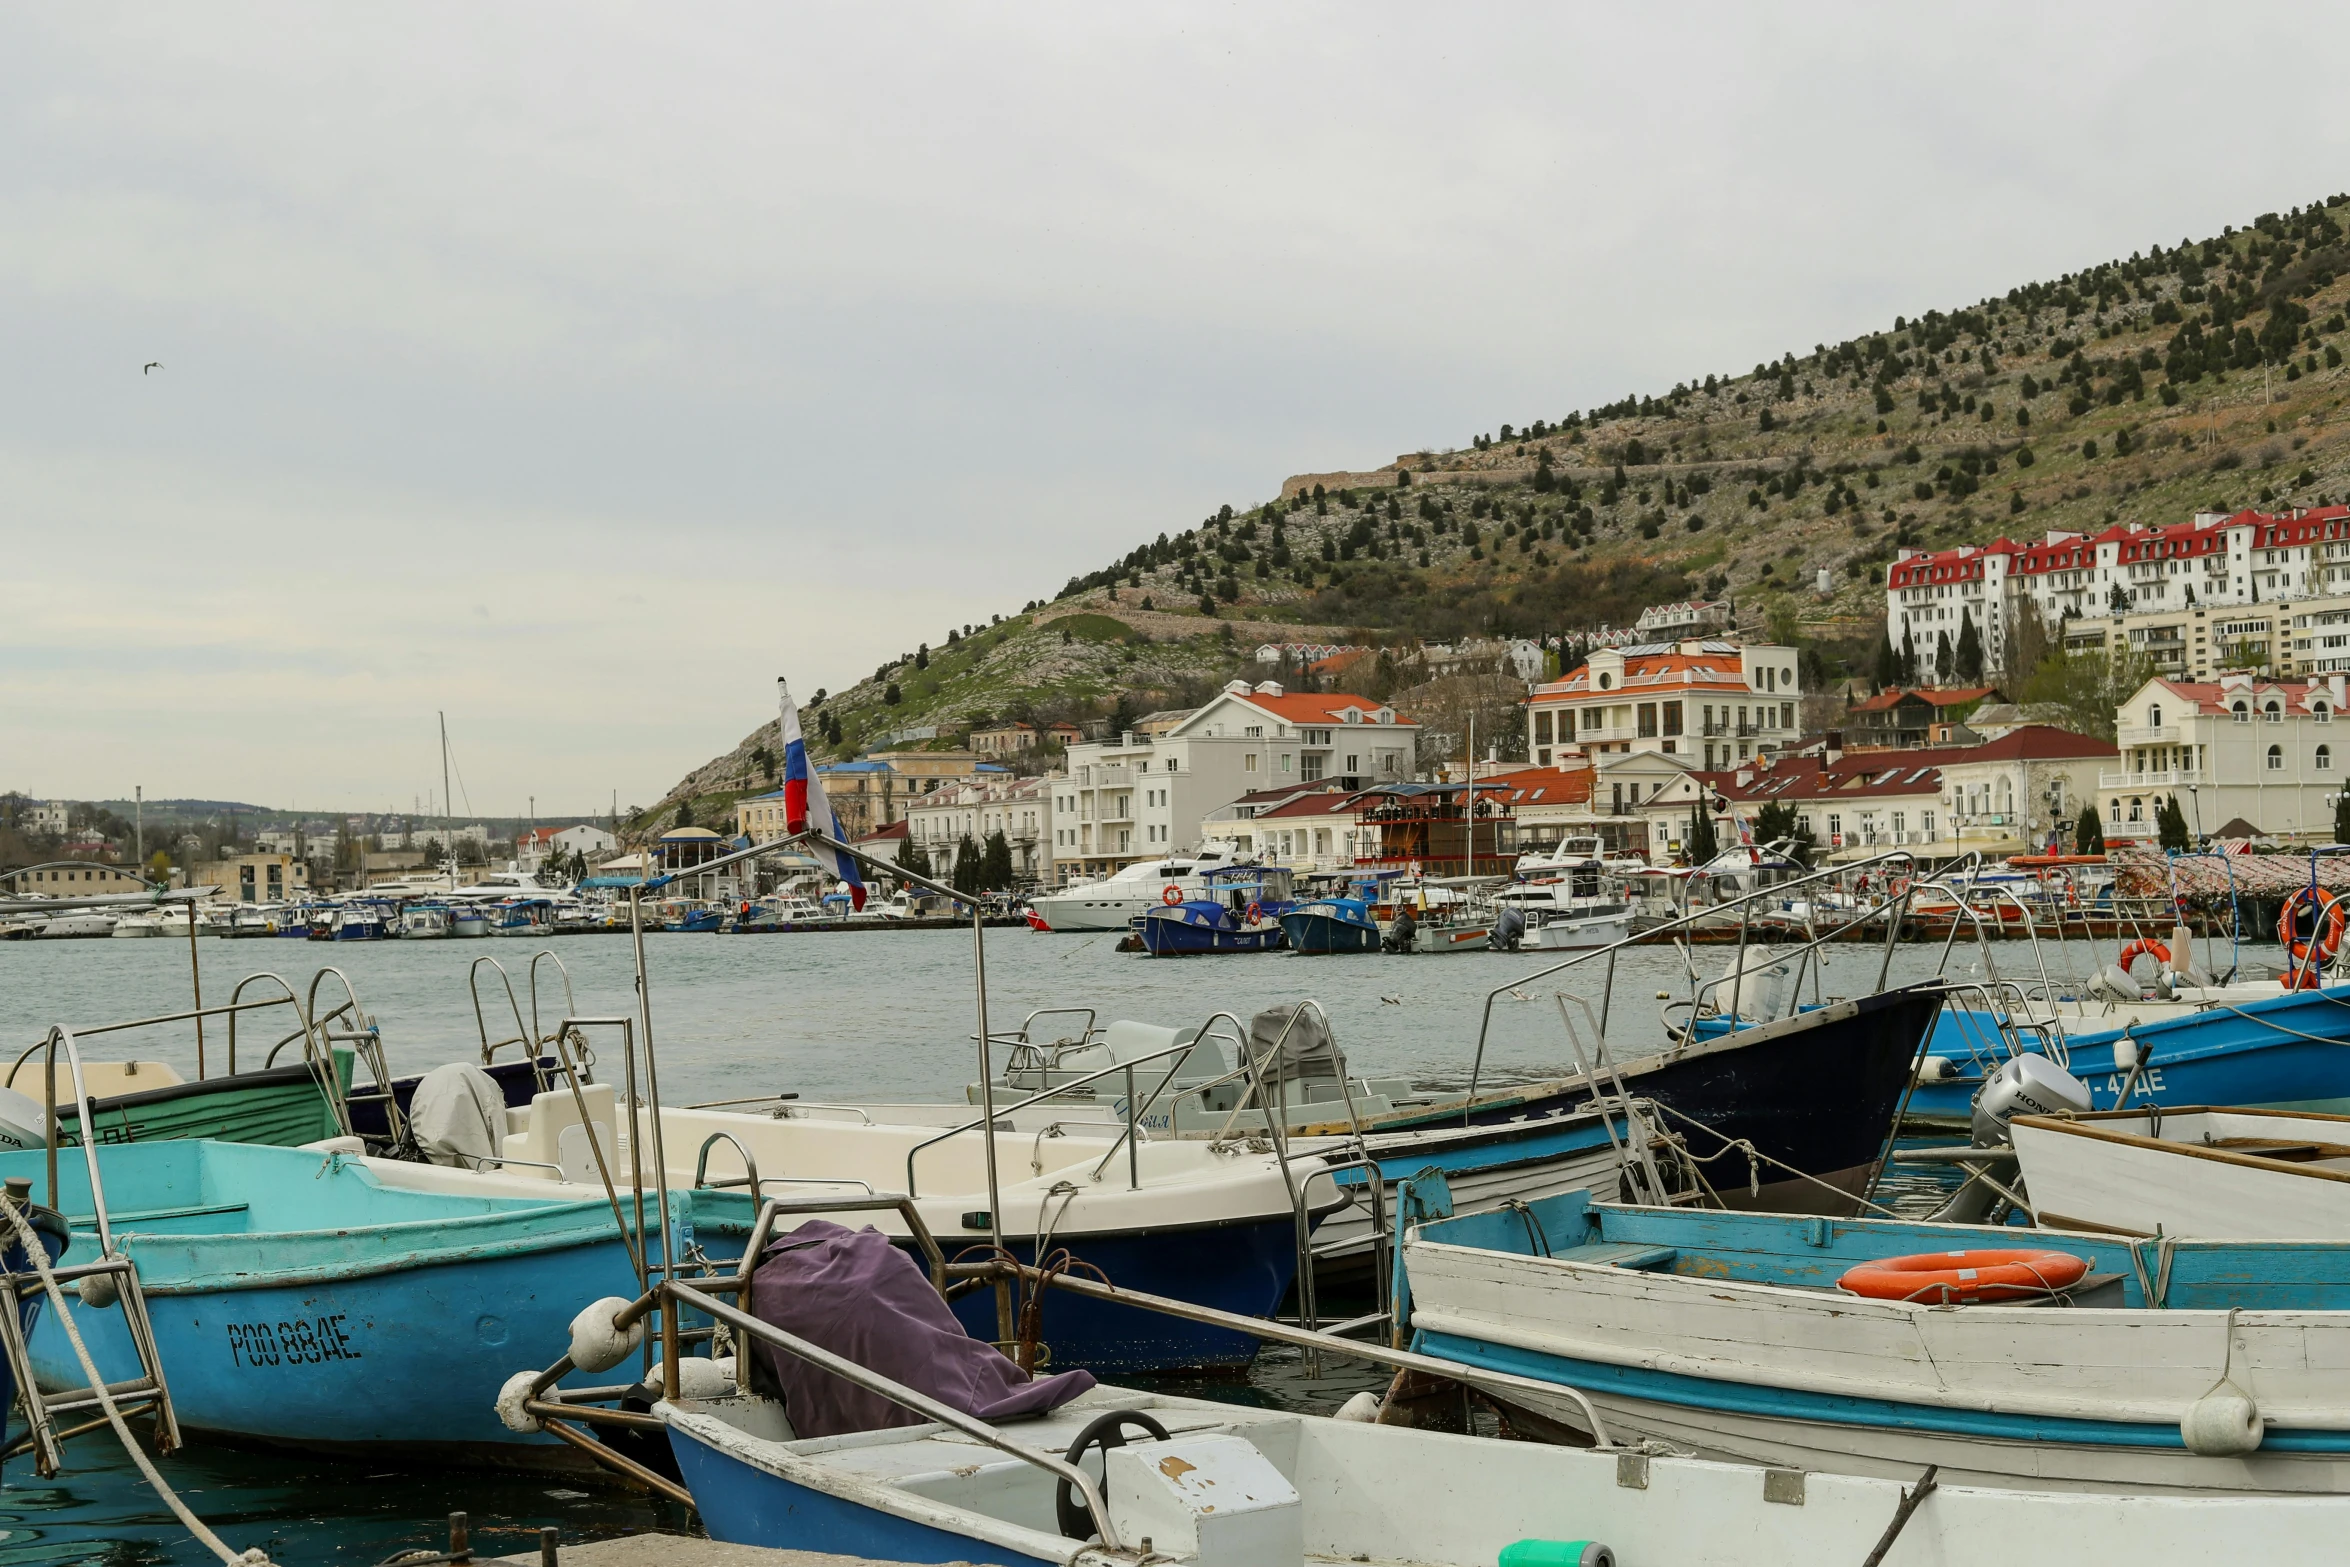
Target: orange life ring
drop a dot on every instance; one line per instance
(1170, 895)
(2310, 928)
(1965, 1278)
(1256, 911)
(2138, 949)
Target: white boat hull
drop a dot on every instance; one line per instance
(1071, 911)
(2106, 1172)
(1452, 938)
(1581, 935)
(2025, 1396)
(1362, 1492)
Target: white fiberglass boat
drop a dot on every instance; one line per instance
(1108, 904)
(2206, 1174)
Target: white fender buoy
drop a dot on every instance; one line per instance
(2125, 1054)
(510, 1411)
(1363, 1408)
(699, 1378)
(1936, 1069)
(596, 1345)
(99, 1290)
(2223, 1423)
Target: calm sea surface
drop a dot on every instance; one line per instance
(869, 1015)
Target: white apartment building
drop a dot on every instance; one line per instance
(2266, 752)
(2216, 560)
(1019, 808)
(49, 816)
(1131, 796)
(1712, 704)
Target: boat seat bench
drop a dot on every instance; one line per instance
(1620, 1254)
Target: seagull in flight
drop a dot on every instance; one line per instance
(1391, 1001)
(152, 364)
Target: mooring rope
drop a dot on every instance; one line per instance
(38, 1255)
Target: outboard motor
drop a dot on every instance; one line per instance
(1754, 984)
(1508, 930)
(2026, 1084)
(1401, 932)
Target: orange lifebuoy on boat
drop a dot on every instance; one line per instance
(2139, 949)
(1965, 1278)
(1170, 895)
(2310, 927)
(1256, 911)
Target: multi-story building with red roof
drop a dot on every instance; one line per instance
(2211, 562)
(1128, 797)
(1708, 703)
(2271, 753)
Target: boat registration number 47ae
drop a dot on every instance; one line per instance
(306, 1342)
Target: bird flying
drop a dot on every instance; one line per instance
(152, 364)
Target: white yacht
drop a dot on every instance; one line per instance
(1109, 902)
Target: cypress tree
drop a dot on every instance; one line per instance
(2089, 831)
(1700, 842)
(1970, 648)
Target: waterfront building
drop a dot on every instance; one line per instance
(1308, 827)
(1707, 703)
(1019, 808)
(1129, 796)
(2240, 747)
(1909, 717)
(255, 878)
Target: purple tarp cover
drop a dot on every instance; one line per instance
(854, 1293)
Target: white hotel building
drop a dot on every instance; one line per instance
(2215, 561)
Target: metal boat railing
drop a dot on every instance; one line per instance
(1892, 912)
(1180, 1051)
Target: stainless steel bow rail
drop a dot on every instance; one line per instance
(111, 1278)
(674, 1298)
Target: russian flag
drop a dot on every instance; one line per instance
(804, 805)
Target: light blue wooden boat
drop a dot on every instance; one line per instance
(2203, 1367)
(297, 1300)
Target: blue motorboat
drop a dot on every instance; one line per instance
(1198, 926)
(298, 1299)
(369, 919)
(702, 920)
(1328, 925)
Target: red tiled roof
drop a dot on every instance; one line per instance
(1651, 671)
(1317, 707)
(1542, 785)
(2033, 742)
(1939, 696)
(2211, 696)
(896, 829)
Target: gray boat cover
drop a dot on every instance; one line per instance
(1301, 1041)
(854, 1293)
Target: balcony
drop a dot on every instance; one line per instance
(2173, 778)
(2148, 734)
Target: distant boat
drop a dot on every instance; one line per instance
(1112, 903)
(424, 921)
(1201, 926)
(1328, 925)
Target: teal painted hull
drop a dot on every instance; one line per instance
(297, 1301)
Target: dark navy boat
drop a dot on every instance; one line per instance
(1199, 926)
(1331, 925)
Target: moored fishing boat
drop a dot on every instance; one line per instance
(297, 1300)
(1326, 925)
(1198, 927)
(1226, 1485)
(2189, 1367)
(2205, 1173)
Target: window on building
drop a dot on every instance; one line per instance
(2322, 713)
(1926, 825)
(1672, 718)
(2276, 758)
(2242, 713)
(1248, 761)
(1647, 711)
(2154, 716)
(2275, 712)
(2324, 758)
(1541, 729)
(1285, 760)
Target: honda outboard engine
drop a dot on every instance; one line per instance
(1509, 928)
(2025, 1084)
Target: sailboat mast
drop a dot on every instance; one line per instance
(448, 806)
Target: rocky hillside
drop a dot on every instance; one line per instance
(2206, 375)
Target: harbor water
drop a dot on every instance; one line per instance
(836, 1017)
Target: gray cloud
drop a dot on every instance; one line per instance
(701, 346)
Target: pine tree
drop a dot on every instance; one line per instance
(968, 866)
(2089, 832)
(996, 863)
(1909, 657)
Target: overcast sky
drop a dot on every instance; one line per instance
(579, 369)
